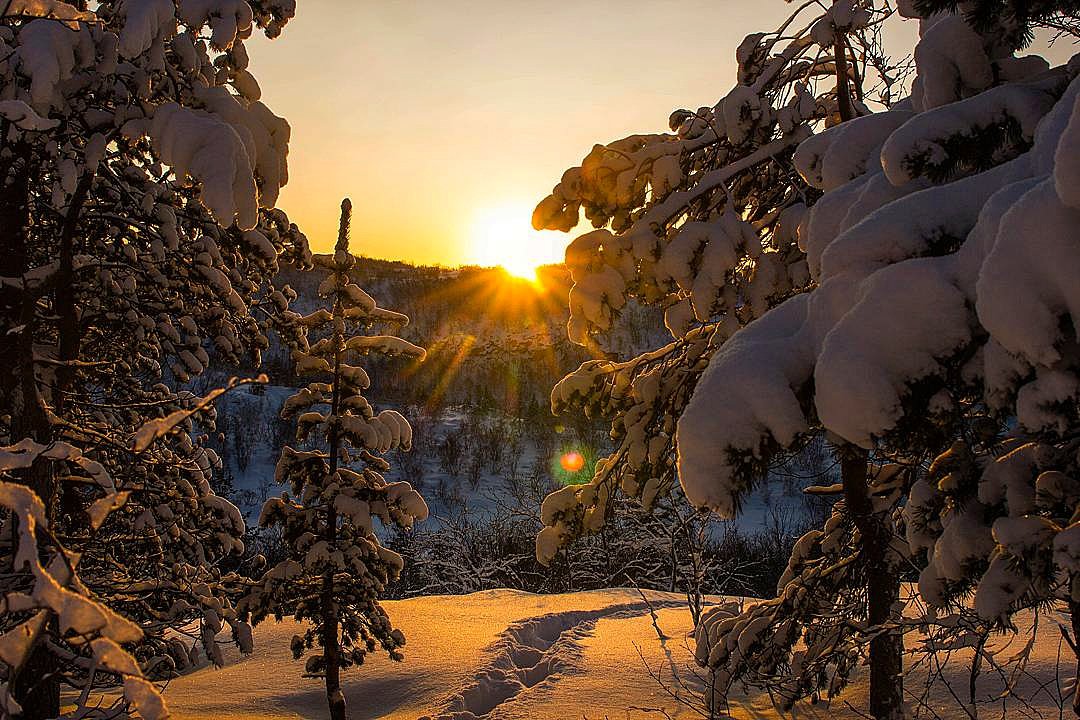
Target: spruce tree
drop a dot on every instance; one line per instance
(335, 567)
(139, 174)
(706, 224)
(936, 310)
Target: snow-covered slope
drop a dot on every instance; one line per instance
(498, 653)
(508, 654)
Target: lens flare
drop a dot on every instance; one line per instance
(572, 462)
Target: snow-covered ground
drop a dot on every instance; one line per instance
(509, 654)
(498, 653)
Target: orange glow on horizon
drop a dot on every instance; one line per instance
(502, 235)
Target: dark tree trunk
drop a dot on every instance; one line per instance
(882, 588)
(36, 685)
(15, 304)
(331, 645)
(1074, 616)
(843, 82)
(69, 332)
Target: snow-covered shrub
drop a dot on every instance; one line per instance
(670, 548)
(334, 568)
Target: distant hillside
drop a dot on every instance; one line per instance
(492, 339)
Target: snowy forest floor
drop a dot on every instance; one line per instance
(510, 654)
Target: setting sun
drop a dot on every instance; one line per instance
(502, 235)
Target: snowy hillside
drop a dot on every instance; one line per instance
(507, 654)
(249, 418)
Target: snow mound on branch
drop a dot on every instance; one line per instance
(23, 116)
(265, 137)
(759, 373)
(1036, 256)
(909, 277)
(51, 9)
(845, 151)
(47, 54)
(919, 143)
(200, 145)
(145, 21)
(950, 59)
(862, 372)
(227, 19)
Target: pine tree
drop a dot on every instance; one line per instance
(336, 568)
(702, 223)
(45, 599)
(908, 335)
(932, 282)
(139, 174)
(705, 224)
(1011, 21)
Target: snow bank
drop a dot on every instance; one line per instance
(508, 654)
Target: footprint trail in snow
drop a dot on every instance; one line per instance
(532, 652)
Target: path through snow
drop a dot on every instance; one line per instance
(534, 651)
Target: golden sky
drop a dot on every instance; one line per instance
(446, 121)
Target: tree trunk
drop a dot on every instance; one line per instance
(69, 332)
(843, 86)
(1074, 616)
(331, 648)
(36, 686)
(331, 645)
(882, 588)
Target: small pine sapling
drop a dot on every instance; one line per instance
(335, 567)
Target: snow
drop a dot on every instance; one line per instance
(201, 145)
(861, 379)
(756, 372)
(917, 147)
(1026, 320)
(509, 654)
(150, 431)
(46, 54)
(907, 276)
(842, 15)
(53, 9)
(145, 22)
(226, 18)
(18, 112)
(843, 152)
(1067, 152)
(951, 60)
(924, 256)
(471, 653)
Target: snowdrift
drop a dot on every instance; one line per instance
(509, 654)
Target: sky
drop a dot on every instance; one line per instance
(446, 121)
